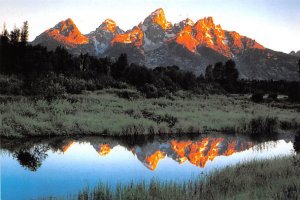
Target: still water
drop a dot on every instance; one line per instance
(58, 166)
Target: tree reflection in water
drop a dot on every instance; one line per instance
(32, 158)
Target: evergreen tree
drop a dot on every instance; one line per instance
(119, 67)
(218, 71)
(231, 74)
(209, 73)
(24, 33)
(5, 32)
(15, 35)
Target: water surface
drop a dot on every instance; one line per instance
(59, 166)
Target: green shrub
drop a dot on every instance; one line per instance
(149, 90)
(74, 85)
(49, 87)
(129, 94)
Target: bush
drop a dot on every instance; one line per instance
(90, 85)
(149, 90)
(10, 85)
(129, 94)
(48, 87)
(74, 85)
(257, 96)
(263, 127)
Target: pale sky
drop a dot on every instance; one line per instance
(273, 23)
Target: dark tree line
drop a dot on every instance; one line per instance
(55, 72)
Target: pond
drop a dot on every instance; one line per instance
(60, 166)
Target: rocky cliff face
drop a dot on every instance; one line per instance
(187, 44)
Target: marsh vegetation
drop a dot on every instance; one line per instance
(106, 113)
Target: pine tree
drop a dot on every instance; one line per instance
(4, 31)
(24, 33)
(209, 73)
(230, 72)
(218, 71)
(15, 35)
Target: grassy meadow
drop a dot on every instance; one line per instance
(278, 178)
(107, 112)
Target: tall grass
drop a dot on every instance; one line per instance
(269, 179)
(106, 113)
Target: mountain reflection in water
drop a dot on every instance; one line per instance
(66, 165)
(197, 151)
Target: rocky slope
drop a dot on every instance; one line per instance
(297, 54)
(187, 44)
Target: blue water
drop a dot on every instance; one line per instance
(66, 171)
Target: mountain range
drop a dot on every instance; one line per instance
(190, 45)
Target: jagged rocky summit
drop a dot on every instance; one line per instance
(190, 45)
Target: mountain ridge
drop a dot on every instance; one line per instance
(190, 45)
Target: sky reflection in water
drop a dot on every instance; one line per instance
(60, 167)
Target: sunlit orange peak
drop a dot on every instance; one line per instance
(110, 25)
(185, 38)
(205, 23)
(158, 17)
(67, 32)
(152, 160)
(104, 149)
(188, 21)
(134, 36)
